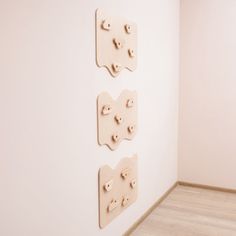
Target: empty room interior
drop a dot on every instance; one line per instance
(118, 118)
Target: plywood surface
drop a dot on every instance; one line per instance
(117, 120)
(117, 189)
(116, 43)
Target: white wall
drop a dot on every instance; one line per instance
(49, 156)
(207, 138)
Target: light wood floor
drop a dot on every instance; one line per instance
(189, 211)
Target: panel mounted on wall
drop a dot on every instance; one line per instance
(117, 120)
(117, 189)
(116, 43)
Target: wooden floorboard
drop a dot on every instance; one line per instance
(190, 211)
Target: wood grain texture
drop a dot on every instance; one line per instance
(190, 211)
(149, 211)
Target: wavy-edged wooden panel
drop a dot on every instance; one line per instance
(117, 189)
(117, 120)
(116, 43)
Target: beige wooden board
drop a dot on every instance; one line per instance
(117, 120)
(117, 189)
(116, 43)
(192, 211)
